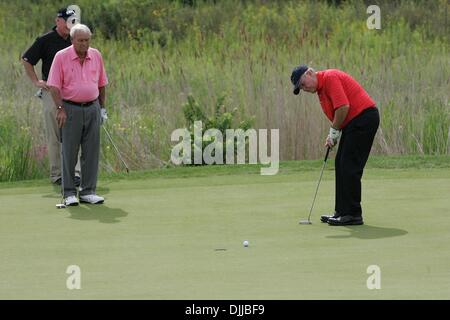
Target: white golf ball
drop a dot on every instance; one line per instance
(245, 243)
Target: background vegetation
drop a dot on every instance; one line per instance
(157, 53)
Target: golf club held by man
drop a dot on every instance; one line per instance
(354, 122)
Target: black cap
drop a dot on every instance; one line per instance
(65, 13)
(295, 77)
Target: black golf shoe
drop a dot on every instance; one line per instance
(324, 218)
(345, 221)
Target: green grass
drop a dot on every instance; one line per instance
(286, 167)
(156, 235)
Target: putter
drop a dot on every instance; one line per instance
(61, 205)
(317, 189)
(117, 150)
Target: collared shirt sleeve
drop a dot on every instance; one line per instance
(34, 53)
(55, 76)
(103, 79)
(336, 93)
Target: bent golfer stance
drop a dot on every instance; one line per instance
(77, 79)
(355, 121)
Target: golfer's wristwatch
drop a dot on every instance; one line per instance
(59, 107)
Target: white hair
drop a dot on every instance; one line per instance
(79, 28)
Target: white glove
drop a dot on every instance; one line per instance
(104, 115)
(333, 136)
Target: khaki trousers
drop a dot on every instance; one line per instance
(53, 140)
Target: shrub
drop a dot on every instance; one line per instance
(222, 119)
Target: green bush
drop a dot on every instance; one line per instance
(222, 119)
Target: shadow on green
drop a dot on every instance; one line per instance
(369, 232)
(100, 213)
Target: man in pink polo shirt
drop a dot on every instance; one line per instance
(354, 120)
(77, 79)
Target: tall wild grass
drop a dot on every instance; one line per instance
(157, 53)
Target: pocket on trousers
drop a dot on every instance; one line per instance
(69, 114)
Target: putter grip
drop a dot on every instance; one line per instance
(326, 155)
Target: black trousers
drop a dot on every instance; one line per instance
(353, 151)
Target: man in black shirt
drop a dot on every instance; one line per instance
(44, 48)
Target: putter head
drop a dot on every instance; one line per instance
(60, 206)
(305, 222)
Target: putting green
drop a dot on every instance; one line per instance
(157, 238)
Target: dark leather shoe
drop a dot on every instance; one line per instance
(345, 221)
(324, 218)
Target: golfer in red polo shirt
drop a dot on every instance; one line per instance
(354, 123)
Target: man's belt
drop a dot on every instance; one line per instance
(80, 104)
